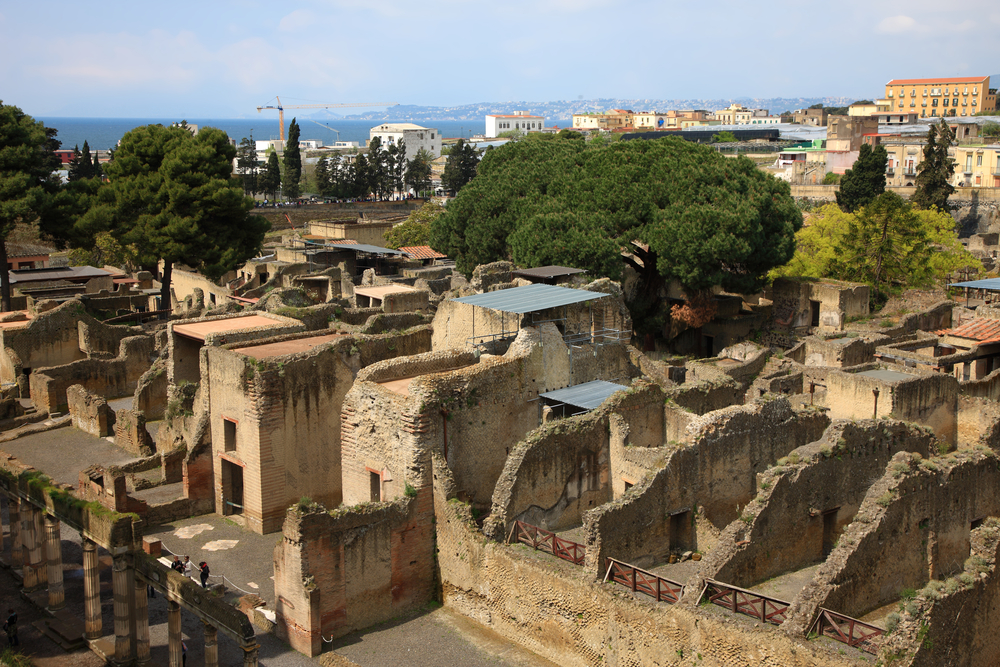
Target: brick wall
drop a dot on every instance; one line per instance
(339, 571)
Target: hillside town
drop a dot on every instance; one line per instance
(630, 392)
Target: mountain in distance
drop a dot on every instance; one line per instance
(564, 109)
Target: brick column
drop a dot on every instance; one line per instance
(250, 656)
(174, 634)
(122, 584)
(14, 513)
(141, 623)
(53, 553)
(93, 628)
(211, 646)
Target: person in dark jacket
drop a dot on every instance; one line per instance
(204, 574)
(10, 627)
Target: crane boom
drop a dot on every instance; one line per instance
(281, 109)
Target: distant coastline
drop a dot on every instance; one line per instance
(104, 133)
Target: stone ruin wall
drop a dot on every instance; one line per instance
(57, 337)
(711, 479)
(351, 568)
(111, 378)
(568, 466)
(287, 412)
(915, 523)
(954, 621)
(560, 612)
(783, 529)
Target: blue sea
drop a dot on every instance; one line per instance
(104, 133)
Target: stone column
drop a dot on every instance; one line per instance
(174, 633)
(41, 572)
(250, 655)
(53, 553)
(211, 646)
(93, 628)
(14, 513)
(3, 496)
(31, 547)
(141, 623)
(122, 585)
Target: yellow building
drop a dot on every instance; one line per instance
(955, 96)
(978, 166)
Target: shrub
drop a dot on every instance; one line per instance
(891, 622)
(409, 491)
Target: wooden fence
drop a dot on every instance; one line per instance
(742, 601)
(659, 588)
(544, 540)
(848, 630)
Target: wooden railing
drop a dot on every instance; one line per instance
(659, 588)
(544, 540)
(742, 601)
(848, 630)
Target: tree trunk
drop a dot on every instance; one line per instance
(5, 286)
(165, 302)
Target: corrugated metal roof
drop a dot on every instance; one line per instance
(364, 247)
(71, 273)
(588, 395)
(548, 272)
(987, 284)
(530, 298)
(422, 252)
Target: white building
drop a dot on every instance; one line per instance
(415, 136)
(519, 120)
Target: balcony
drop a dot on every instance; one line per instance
(910, 171)
(891, 171)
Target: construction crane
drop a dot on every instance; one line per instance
(281, 109)
(328, 127)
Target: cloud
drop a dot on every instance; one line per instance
(893, 25)
(299, 20)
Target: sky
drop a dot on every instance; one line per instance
(224, 58)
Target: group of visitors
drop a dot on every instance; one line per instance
(187, 568)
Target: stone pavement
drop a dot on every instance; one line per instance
(438, 637)
(63, 452)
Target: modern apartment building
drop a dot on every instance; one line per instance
(415, 136)
(497, 124)
(955, 96)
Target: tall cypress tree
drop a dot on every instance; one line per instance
(865, 181)
(98, 170)
(293, 162)
(935, 172)
(86, 161)
(270, 180)
(74, 165)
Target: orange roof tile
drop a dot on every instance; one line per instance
(981, 329)
(423, 252)
(954, 79)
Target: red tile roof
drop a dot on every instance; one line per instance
(981, 329)
(954, 79)
(422, 252)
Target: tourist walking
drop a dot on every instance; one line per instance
(10, 627)
(204, 574)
